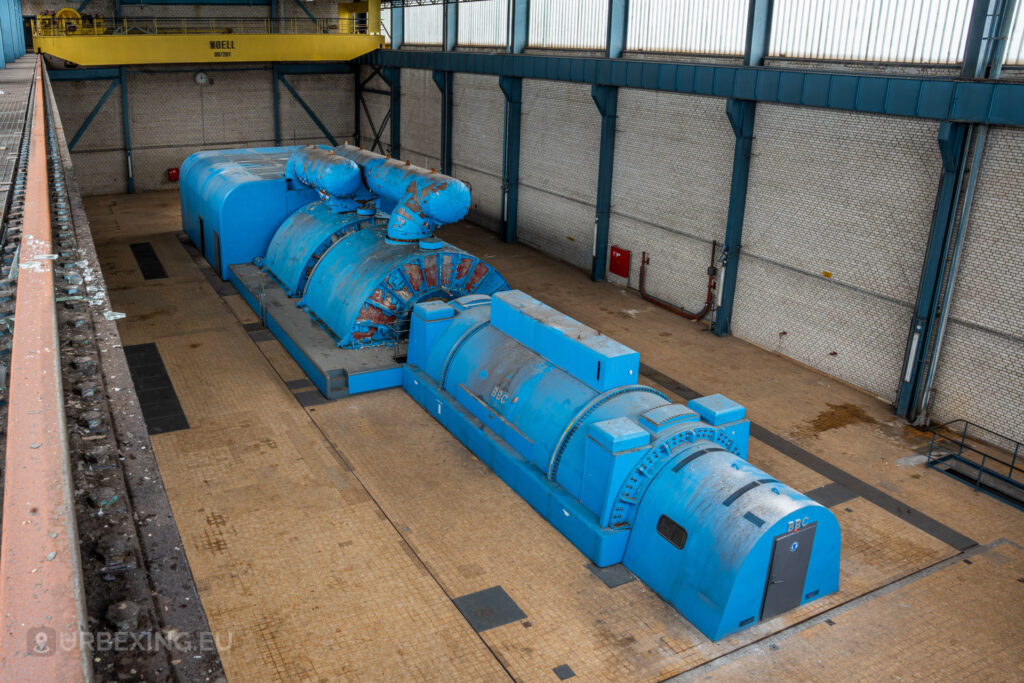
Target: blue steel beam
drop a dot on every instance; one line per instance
(85, 74)
(513, 89)
(741, 113)
(520, 26)
(328, 68)
(394, 78)
(607, 100)
(618, 19)
(300, 5)
(92, 115)
(451, 25)
(275, 74)
(127, 128)
(7, 29)
(983, 55)
(312, 115)
(967, 101)
(444, 82)
(397, 26)
(83, 5)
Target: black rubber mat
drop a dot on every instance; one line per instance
(489, 608)
(613, 576)
(160, 406)
(148, 261)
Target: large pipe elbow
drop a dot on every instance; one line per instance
(424, 199)
(338, 179)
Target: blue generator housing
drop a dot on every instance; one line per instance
(554, 408)
(234, 200)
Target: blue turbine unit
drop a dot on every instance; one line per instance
(555, 410)
(334, 277)
(234, 200)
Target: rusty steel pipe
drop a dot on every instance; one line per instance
(41, 594)
(678, 310)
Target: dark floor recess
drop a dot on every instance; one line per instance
(612, 576)
(564, 672)
(160, 406)
(148, 261)
(489, 608)
(831, 494)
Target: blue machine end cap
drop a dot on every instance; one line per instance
(619, 434)
(431, 243)
(434, 310)
(717, 409)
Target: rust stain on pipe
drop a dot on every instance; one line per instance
(41, 596)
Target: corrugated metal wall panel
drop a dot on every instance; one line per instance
(920, 31)
(692, 26)
(579, 24)
(424, 24)
(483, 23)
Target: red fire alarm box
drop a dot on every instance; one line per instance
(618, 264)
(172, 175)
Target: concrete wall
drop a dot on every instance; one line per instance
(172, 116)
(478, 121)
(421, 119)
(670, 190)
(847, 194)
(980, 375)
(561, 137)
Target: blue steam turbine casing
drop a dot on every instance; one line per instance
(234, 200)
(360, 272)
(555, 409)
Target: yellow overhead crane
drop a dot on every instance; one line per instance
(92, 41)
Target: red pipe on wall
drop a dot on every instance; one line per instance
(644, 261)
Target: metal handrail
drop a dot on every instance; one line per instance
(48, 26)
(955, 440)
(41, 593)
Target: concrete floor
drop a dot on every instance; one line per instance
(329, 541)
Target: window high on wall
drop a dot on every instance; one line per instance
(713, 27)
(919, 31)
(580, 24)
(424, 24)
(483, 23)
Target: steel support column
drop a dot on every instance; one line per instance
(983, 56)
(451, 25)
(519, 26)
(127, 127)
(277, 106)
(741, 117)
(394, 78)
(513, 90)
(618, 17)
(357, 92)
(7, 31)
(512, 87)
(397, 25)
(607, 100)
(444, 82)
